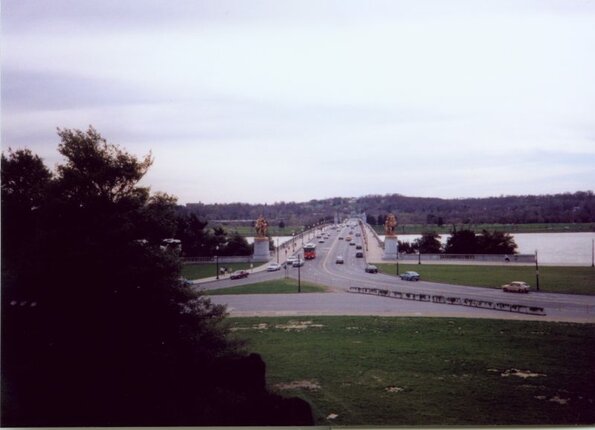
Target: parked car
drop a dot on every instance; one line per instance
(516, 287)
(370, 268)
(340, 237)
(359, 254)
(291, 260)
(298, 263)
(273, 267)
(339, 259)
(410, 276)
(238, 274)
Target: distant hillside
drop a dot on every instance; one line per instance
(578, 207)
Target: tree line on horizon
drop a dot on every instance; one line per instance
(577, 207)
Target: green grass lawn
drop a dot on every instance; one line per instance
(206, 270)
(278, 286)
(509, 228)
(429, 371)
(572, 280)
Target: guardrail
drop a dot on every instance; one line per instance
(205, 260)
(504, 258)
(450, 300)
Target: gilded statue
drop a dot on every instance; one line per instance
(390, 225)
(261, 227)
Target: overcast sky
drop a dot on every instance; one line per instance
(264, 101)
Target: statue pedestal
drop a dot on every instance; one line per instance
(390, 248)
(261, 249)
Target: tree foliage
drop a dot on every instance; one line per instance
(96, 327)
(429, 243)
(467, 242)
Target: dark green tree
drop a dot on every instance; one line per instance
(496, 242)
(96, 328)
(429, 243)
(237, 245)
(406, 247)
(462, 242)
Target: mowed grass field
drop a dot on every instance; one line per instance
(508, 228)
(279, 286)
(206, 270)
(571, 280)
(429, 371)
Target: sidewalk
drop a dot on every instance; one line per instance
(374, 250)
(262, 266)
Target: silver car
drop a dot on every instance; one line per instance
(410, 276)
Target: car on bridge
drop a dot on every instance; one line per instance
(359, 254)
(516, 287)
(238, 274)
(370, 268)
(410, 276)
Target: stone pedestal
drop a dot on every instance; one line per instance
(390, 248)
(261, 249)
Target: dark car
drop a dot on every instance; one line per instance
(410, 276)
(359, 254)
(370, 268)
(238, 274)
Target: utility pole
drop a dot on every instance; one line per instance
(536, 272)
(299, 277)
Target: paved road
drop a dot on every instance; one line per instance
(340, 277)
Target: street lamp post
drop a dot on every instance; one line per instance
(536, 272)
(277, 249)
(299, 276)
(217, 259)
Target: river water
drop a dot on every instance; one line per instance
(574, 249)
(552, 248)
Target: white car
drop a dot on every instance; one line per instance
(273, 267)
(291, 260)
(516, 287)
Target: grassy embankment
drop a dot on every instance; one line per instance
(429, 371)
(278, 286)
(571, 280)
(508, 228)
(206, 270)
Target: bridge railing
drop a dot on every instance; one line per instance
(451, 300)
